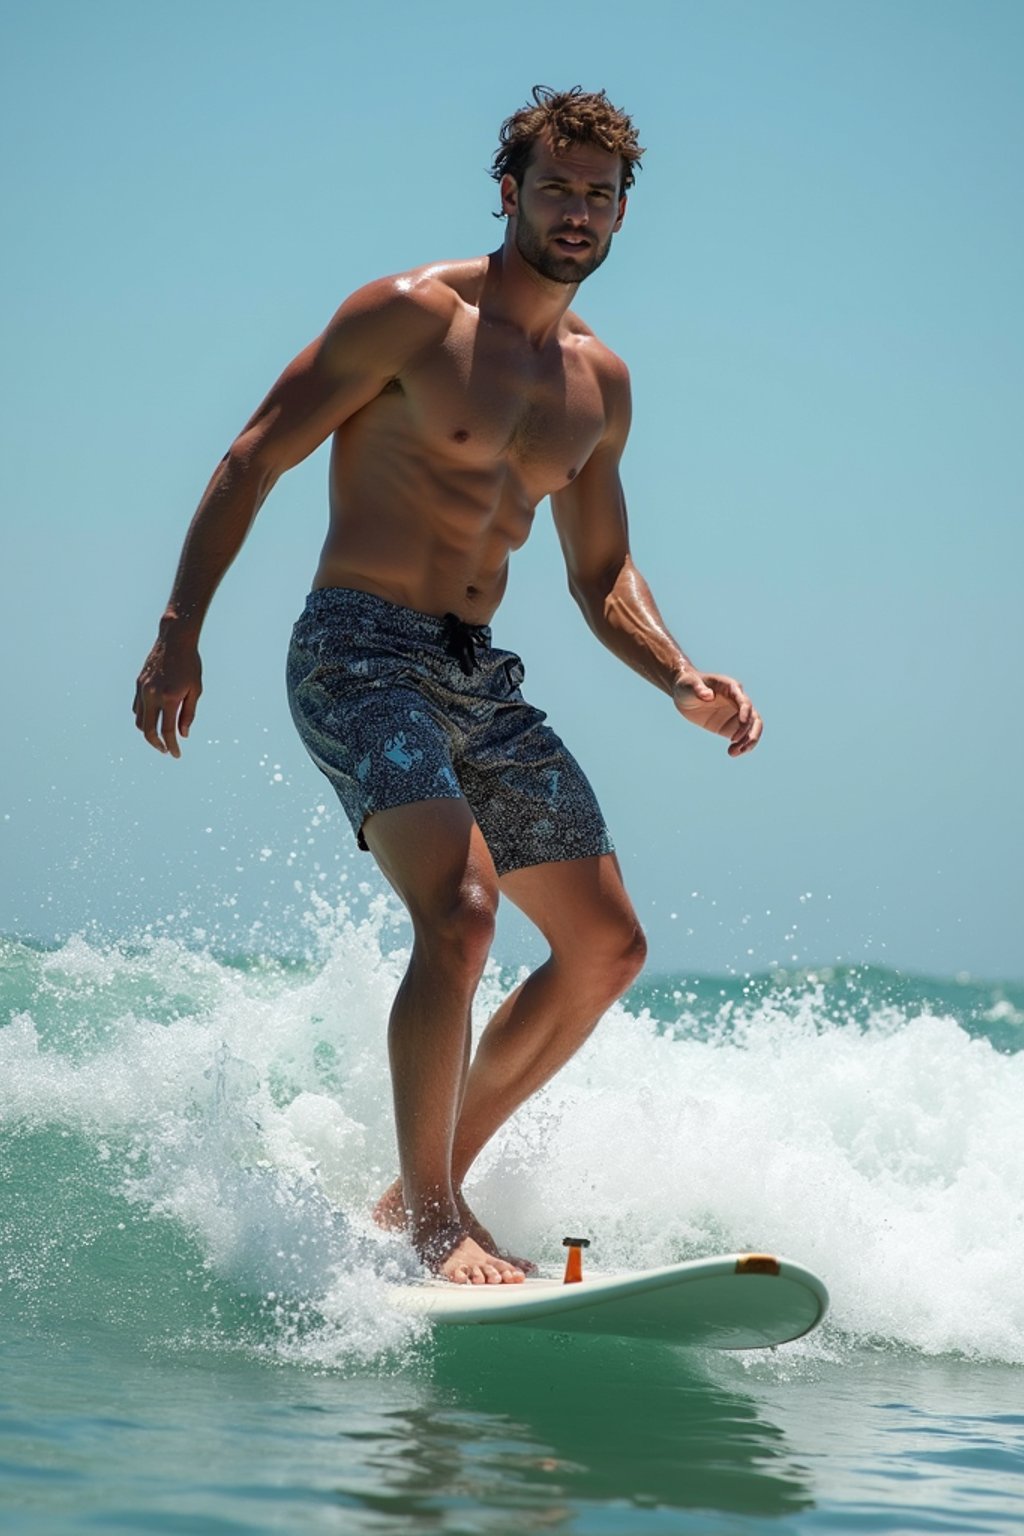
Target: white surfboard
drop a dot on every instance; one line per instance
(737, 1301)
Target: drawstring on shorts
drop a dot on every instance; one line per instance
(462, 641)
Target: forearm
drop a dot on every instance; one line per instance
(236, 492)
(624, 616)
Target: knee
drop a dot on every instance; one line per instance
(458, 933)
(613, 956)
(627, 956)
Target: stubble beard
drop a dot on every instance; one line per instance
(547, 263)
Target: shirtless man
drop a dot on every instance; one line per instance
(458, 396)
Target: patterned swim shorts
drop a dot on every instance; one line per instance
(396, 706)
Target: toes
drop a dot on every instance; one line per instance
(469, 1264)
(484, 1273)
(495, 1274)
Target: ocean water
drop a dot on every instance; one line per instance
(194, 1328)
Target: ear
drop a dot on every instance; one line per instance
(509, 189)
(621, 214)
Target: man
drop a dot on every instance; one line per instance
(459, 395)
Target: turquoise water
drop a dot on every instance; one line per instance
(194, 1328)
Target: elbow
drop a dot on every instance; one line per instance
(598, 594)
(583, 595)
(249, 459)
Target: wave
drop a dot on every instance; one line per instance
(190, 1144)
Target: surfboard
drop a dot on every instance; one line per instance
(735, 1301)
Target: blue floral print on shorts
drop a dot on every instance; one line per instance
(396, 706)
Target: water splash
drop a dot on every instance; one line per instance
(218, 1129)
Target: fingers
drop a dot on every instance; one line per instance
(160, 716)
(734, 691)
(147, 712)
(170, 721)
(188, 712)
(166, 694)
(747, 736)
(745, 727)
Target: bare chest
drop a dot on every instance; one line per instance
(487, 397)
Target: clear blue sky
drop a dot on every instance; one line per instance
(818, 291)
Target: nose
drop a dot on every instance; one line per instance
(576, 211)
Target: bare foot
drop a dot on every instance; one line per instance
(453, 1255)
(389, 1213)
(480, 1234)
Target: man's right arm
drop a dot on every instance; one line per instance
(368, 342)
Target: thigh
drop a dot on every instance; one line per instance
(433, 855)
(581, 906)
(532, 800)
(370, 731)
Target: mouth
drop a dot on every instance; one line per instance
(572, 243)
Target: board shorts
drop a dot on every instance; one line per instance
(396, 706)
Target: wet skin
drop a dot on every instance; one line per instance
(457, 397)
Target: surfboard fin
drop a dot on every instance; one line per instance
(574, 1258)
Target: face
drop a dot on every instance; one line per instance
(566, 210)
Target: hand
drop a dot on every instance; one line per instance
(720, 705)
(167, 693)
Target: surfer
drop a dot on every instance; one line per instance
(458, 396)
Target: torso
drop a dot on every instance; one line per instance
(435, 482)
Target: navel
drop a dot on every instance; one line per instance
(461, 436)
(570, 474)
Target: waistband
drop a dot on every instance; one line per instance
(455, 636)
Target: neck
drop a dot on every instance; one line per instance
(515, 293)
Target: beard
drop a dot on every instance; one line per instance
(550, 263)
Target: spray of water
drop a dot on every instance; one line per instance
(244, 1109)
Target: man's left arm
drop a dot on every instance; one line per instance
(590, 516)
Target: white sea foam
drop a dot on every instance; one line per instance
(256, 1104)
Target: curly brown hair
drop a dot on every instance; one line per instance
(569, 117)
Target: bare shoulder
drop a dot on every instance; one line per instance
(432, 291)
(402, 296)
(398, 315)
(607, 367)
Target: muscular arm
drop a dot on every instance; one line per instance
(590, 517)
(369, 340)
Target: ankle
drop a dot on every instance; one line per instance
(429, 1212)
